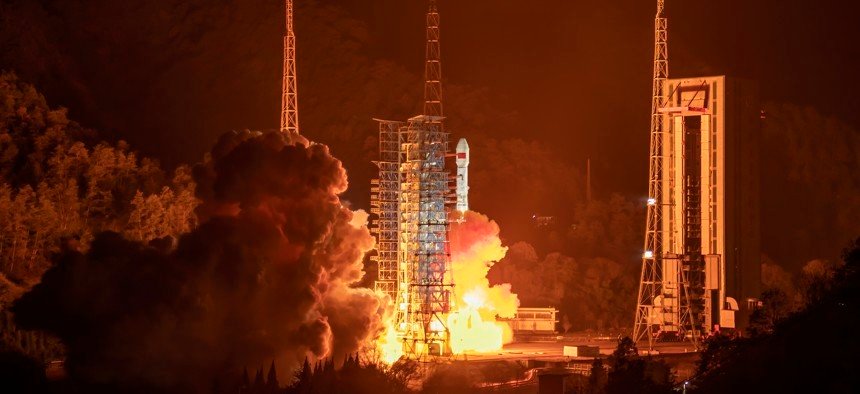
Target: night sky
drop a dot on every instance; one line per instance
(574, 76)
(236, 249)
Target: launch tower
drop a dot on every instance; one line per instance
(701, 251)
(410, 199)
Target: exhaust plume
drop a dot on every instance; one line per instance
(475, 247)
(268, 275)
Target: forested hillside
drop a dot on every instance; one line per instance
(60, 185)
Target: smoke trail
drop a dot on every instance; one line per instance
(267, 275)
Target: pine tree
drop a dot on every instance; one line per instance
(597, 378)
(259, 384)
(272, 380)
(246, 381)
(302, 378)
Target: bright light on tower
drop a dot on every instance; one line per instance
(436, 326)
(648, 254)
(652, 201)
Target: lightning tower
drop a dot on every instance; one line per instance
(702, 240)
(410, 199)
(290, 94)
(650, 311)
(433, 65)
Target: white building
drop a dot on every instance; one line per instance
(710, 196)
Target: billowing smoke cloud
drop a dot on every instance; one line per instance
(268, 275)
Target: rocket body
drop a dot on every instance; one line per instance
(462, 175)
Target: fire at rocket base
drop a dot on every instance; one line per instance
(462, 175)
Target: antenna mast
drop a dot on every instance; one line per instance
(433, 65)
(650, 284)
(290, 97)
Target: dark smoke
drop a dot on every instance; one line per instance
(267, 276)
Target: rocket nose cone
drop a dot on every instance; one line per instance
(462, 145)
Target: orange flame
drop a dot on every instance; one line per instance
(473, 325)
(475, 247)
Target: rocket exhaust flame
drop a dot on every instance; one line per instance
(472, 323)
(475, 247)
(441, 299)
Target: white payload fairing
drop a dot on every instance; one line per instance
(462, 175)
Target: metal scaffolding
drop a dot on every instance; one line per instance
(650, 284)
(670, 286)
(385, 204)
(433, 64)
(290, 92)
(424, 233)
(410, 199)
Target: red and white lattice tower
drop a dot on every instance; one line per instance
(433, 65)
(410, 200)
(290, 97)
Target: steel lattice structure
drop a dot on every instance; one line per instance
(410, 199)
(433, 65)
(424, 232)
(650, 284)
(385, 204)
(664, 303)
(290, 93)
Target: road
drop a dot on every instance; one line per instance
(553, 349)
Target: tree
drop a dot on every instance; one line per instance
(776, 306)
(59, 186)
(57, 183)
(785, 359)
(259, 384)
(245, 384)
(606, 228)
(813, 163)
(815, 280)
(597, 378)
(719, 350)
(272, 384)
(631, 373)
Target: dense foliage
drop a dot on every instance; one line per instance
(592, 278)
(59, 186)
(809, 351)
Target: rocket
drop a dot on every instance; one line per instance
(462, 175)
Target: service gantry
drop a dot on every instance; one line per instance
(410, 200)
(666, 308)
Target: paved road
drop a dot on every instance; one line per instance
(553, 349)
